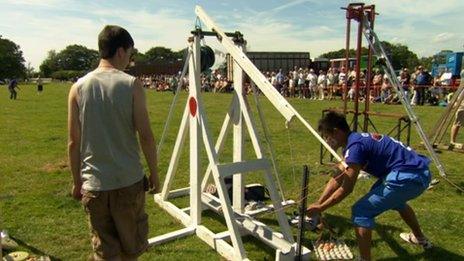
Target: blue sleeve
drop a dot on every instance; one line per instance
(355, 154)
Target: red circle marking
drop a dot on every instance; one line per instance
(193, 106)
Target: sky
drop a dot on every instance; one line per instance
(314, 26)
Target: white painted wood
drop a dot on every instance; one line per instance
(221, 188)
(211, 202)
(250, 226)
(225, 235)
(173, 103)
(176, 193)
(173, 210)
(271, 93)
(171, 236)
(220, 141)
(264, 233)
(237, 224)
(279, 102)
(228, 169)
(275, 197)
(276, 201)
(238, 186)
(195, 134)
(220, 245)
(268, 208)
(306, 255)
(173, 163)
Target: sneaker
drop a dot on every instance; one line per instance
(454, 145)
(434, 182)
(364, 175)
(410, 238)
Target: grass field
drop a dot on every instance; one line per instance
(39, 213)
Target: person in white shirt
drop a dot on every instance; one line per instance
(341, 81)
(330, 83)
(301, 82)
(322, 84)
(312, 83)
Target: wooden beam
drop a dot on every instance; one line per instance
(229, 169)
(171, 236)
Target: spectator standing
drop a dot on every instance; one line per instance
(459, 118)
(12, 85)
(330, 83)
(419, 88)
(312, 84)
(322, 84)
(106, 110)
(39, 85)
(280, 78)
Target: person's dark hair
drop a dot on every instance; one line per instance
(111, 38)
(332, 120)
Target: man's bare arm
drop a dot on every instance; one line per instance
(350, 177)
(147, 141)
(333, 184)
(74, 141)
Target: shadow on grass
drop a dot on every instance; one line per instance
(33, 250)
(389, 235)
(436, 253)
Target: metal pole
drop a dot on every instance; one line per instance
(301, 217)
(369, 73)
(347, 60)
(358, 69)
(377, 47)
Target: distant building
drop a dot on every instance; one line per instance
(273, 61)
(157, 67)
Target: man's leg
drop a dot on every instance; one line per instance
(409, 217)
(364, 236)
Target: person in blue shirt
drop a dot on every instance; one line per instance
(402, 175)
(12, 85)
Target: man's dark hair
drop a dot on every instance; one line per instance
(333, 120)
(111, 38)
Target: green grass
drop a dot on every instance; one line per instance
(37, 210)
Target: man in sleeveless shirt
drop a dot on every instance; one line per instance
(106, 111)
(402, 175)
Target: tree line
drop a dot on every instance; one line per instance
(75, 60)
(399, 54)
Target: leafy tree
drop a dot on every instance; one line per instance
(400, 56)
(77, 57)
(160, 52)
(181, 54)
(341, 53)
(49, 65)
(426, 62)
(138, 56)
(12, 60)
(72, 58)
(440, 57)
(30, 71)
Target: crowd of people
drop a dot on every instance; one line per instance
(419, 86)
(211, 82)
(306, 83)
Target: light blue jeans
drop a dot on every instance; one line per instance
(391, 192)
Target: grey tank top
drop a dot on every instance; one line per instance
(109, 148)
